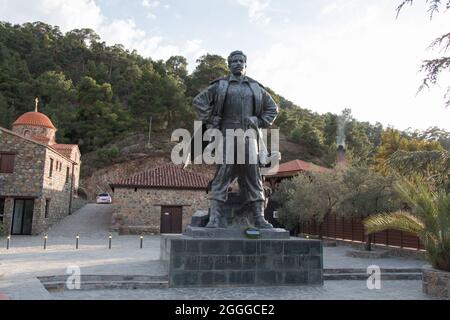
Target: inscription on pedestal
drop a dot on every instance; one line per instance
(226, 262)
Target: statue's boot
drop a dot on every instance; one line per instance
(215, 212)
(258, 215)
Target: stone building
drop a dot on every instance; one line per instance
(161, 200)
(38, 176)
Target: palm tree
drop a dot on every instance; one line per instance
(433, 165)
(429, 219)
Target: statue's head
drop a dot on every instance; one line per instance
(237, 62)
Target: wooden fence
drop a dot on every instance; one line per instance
(353, 229)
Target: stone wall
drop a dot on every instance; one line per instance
(26, 180)
(30, 130)
(56, 189)
(28, 166)
(143, 206)
(31, 179)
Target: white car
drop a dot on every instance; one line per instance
(104, 198)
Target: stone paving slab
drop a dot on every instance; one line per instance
(335, 257)
(26, 260)
(27, 289)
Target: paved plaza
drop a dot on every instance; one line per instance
(26, 260)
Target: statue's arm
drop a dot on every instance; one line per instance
(204, 104)
(269, 111)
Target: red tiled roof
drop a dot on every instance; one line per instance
(34, 119)
(34, 141)
(295, 166)
(65, 149)
(64, 146)
(166, 176)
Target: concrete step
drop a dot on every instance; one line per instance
(106, 285)
(100, 278)
(102, 282)
(365, 276)
(328, 243)
(361, 270)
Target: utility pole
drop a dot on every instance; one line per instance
(149, 133)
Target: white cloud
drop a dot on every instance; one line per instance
(369, 64)
(149, 5)
(193, 49)
(337, 6)
(151, 16)
(68, 15)
(256, 10)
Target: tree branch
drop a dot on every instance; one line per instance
(439, 41)
(433, 8)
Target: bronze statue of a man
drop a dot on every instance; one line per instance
(231, 103)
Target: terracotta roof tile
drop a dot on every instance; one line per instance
(64, 146)
(65, 149)
(35, 119)
(166, 176)
(295, 166)
(34, 141)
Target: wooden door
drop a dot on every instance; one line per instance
(22, 217)
(171, 219)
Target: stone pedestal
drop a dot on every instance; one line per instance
(206, 262)
(436, 282)
(234, 233)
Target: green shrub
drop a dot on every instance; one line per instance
(108, 154)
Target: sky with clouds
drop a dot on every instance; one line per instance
(324, 55)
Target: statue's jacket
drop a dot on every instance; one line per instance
(211, 101)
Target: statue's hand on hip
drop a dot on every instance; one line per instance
(252, 122)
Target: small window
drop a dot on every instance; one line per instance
(2, 209)
(47, 208)
(51, 168)
(67, 174)
(7, 162)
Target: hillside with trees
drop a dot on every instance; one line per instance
(99, 96)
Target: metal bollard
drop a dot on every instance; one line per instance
(8, 239)
(142, 241)
(45, 241)
(110, 240)
(77, 240)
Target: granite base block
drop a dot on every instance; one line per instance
(194, 262)
(233, 233)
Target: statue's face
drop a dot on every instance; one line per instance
(238, 65)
